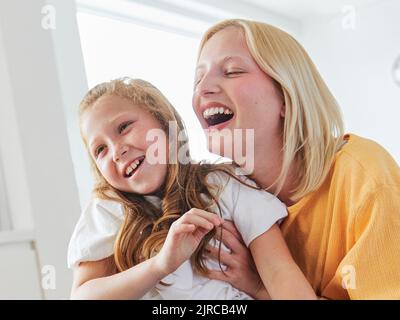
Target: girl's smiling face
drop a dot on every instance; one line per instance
(115, 131)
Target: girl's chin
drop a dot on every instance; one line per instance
(144, 189)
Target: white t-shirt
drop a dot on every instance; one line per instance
(252, 211)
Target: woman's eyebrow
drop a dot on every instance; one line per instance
(223, 61)
(227, 58)
(236, 58)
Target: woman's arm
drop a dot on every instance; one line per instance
(279, 273)
(242, 272)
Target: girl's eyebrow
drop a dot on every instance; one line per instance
(120, 115)
(109, 122)
(112, 121)
(93, 143)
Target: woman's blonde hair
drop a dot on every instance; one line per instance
(146, 226)
(313, 126)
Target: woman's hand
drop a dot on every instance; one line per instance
(241, 271)
(184, 237)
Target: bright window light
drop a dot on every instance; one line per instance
(113, 48)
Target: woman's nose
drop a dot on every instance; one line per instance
(119, 152)
(208, 85)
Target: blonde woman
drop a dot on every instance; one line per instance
(342, 190)
(145, 232)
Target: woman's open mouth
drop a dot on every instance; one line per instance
(133, 167)
(217, 115)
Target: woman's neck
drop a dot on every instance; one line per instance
(267, 170)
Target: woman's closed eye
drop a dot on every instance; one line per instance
(197, 81)
(233, 72)
(227, 73)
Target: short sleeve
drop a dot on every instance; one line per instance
(253, 211)
(94, 234)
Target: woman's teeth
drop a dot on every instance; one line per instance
(213, 111)
(217, 115)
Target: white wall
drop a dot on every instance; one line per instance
(36, 88)
(356, 63)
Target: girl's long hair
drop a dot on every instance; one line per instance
(313, 125)
(146, 226)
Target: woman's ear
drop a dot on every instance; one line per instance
(283, 109)
(281, 96)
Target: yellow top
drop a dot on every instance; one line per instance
(345, 236)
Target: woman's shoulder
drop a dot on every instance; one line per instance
(368, 160)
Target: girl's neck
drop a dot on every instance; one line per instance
(158, 193)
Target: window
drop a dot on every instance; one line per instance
(113, 48)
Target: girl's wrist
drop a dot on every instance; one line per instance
(158, 268)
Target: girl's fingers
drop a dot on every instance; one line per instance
(197, 232)
(212, 217)
(183, 228)
(196, 220)
(200, 232)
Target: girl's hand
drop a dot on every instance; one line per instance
(184, 237)
(241, 271)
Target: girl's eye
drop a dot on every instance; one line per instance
(123, 126)
(99, 150)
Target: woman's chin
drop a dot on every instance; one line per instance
(221, 150)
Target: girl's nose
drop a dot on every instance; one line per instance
(119, 152)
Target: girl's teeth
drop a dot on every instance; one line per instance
(132, 167)
(129, 170)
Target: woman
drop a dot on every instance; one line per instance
(342, 191)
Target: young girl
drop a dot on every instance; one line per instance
(145, 233)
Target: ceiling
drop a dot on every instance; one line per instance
(303, 9)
